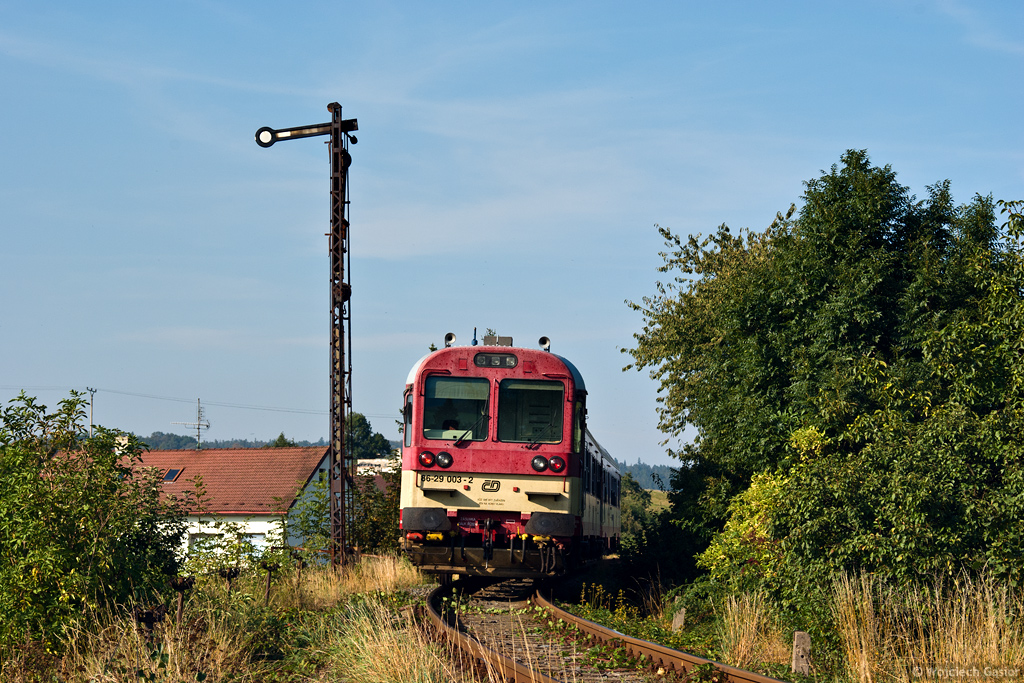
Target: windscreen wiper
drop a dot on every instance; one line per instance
(471, 429)
(544, 432)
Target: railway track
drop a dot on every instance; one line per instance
(512, 634)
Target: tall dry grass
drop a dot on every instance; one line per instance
(909, 634)
(216, 634)
(382, 647)
(324, 587)
(748, 633)
(205, 641)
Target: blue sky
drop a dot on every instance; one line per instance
(513, 159)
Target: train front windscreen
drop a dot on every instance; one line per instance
(530, 411)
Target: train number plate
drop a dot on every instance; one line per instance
(445, 479)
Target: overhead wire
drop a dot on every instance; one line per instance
(221, 404)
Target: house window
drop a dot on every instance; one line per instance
(171, 475)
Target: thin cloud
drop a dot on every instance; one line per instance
(84, 61)
(978, 30)
(212, 338)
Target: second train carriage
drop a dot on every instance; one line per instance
(500, 475)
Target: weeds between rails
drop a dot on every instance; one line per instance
(523, 639)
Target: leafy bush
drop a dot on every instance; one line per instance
(375, 523)
(373, 513)
(81, 526)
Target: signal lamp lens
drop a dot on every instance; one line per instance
(445, 459)
(557, 464)
(427, 459)
(539, 463)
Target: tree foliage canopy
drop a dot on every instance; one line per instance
(374, 497)
(862, 357)
(362, 442)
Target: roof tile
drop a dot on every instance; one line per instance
(241, 481)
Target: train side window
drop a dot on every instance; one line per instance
(407, 420)
(530, 411)
(455, 408)
(586, 470)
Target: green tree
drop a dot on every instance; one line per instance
(161, 441)
(376, 498)
(932, 480)
(636, 513)
(309, 520)
(375, 510)
(635, 507)
(281, 442)
(375, 524)
(799, 351)
(82, 526)
(362, 442)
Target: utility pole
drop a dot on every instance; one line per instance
(342, 465)
(92, 394)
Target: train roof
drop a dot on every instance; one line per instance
(577, 378)
(606, 458)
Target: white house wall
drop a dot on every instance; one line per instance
(258, 527)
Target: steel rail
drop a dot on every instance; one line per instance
(657, 656)
(486, 659)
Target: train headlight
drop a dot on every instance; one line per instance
(427, 459)
(539, 463)
(556, 463)
(444, 459)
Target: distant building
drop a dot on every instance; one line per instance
(375, 465)
(251, 486)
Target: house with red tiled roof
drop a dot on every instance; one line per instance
(251, 486)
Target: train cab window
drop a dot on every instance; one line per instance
(530, 411)
(577, 426)
(407, 420)
(455, 408)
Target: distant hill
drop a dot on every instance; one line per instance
(160, 441)
(648, 476)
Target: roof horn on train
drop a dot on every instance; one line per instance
(545, 343)
(449, 339)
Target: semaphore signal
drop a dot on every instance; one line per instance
(342, 466)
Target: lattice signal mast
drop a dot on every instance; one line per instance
(343, 466)
(199, 425)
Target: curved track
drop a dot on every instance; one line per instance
(505, 639)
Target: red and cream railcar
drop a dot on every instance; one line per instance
(500, 476)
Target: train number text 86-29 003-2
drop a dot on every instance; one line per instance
(445, 479)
